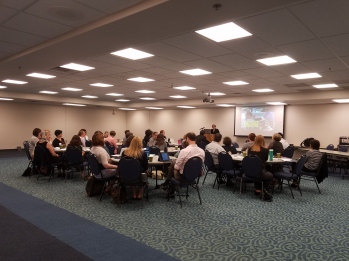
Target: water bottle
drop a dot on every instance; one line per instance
(271, 154)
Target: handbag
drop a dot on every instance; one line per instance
(94, 186)
(27, 172)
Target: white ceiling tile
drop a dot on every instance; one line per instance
(333, 64)
(324, 17)
(156, 61)
(277, 27)
(235, 61)
(10, 48)
(35, 25)
(109, 6)
(196, 44)
(264, 72)
(290, 69)
(209, 65)
(338, 44)
(20, 38)
(6, 13)
(17, 4)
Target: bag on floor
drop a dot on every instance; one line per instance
(27, 172)
(94, 186)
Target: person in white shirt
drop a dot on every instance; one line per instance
(283, 141)
(82, 135)
(33, 140)
(214, 148)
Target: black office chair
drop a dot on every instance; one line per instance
(130, 175)
(27, 153)
(191, 176)
(88, 143)
(154, 150)
(252, 168)
(288, 152)
(202, 145)
(208, 165)
(110, 147)
(226, 164)
(288, 176)
(74, 160)
(319, 175)
(96, 170)
(42, 161)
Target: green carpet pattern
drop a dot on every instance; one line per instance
(226, 227)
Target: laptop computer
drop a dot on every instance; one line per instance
(164, 156)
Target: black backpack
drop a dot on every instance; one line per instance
(306, 142)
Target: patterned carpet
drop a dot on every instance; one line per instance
(226, 227)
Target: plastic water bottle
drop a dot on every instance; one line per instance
(271, 154)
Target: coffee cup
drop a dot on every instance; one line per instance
(150, 159)
(278, 155)
(176, 147)
(244, 153)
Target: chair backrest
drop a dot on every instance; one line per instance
(299, 165)
(343, 148)
(94, 164)
(208, 160)
(252, 166)
(192, 169)
(225, 161)
(26, 149)
(202, 145)
(73, 155)
(110, 147)
(288, 152)
(129, 170)
(330, 147)
(154, 150)
(41, 156)
(88, 143)
(235, 145)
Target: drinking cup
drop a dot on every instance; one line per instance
(244, 153)
(278, 155)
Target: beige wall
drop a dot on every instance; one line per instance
(324, 122)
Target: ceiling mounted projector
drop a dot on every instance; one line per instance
(208, 99)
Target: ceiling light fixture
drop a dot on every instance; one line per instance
(184, 88)
(114, 94)
(186, 107)
(153, 108)
(145, 91)
(2, 87)
(122, 100)
(14, 81)
(278, 60)
(89, 96)
(234, 83)
(71, 89)
(306, 76)
(224, 32)
(132, 54)
(6, 99)
(127, 109)
(41, 75)
(195, 72)
(225, 105)
(74, 104)
(217, 93)
(147, 98)
(140, 79)
(98, 84)
(263, 90)
(276, 103)
(328, 85)
(48, 92)
(341, 100)
(178, 96)
(77, 67)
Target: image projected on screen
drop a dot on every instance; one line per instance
(263, 120)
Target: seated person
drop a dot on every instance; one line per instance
(83, 137)
(127, 144)
(148, 133)
(177, 166)
(214, 148)
(75, 142)
(259, 149)
(161, 143)
(58, 140)
(111, 140)
(153, 138)
(163, 133)
(106, 134)
(102, 156)
(202, 138)
(228, 147)
(33, 140)
(250, 142)
(124, 138)
(48, 136)
(214, 130)
(284, 142)
(135, 150)
(276, 145)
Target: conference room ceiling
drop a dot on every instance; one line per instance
(40, 36)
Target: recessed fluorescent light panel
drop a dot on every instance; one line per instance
(225, 105)
(6, 99)
(89, 96)
(306, 76)
(74, 104)
(185, 107)
(178, 96)
(329, 85)
(145, 91)
(217, 93)
(263, 90)
(114, 94)
(284, 59)
(341, 100)
(76, 67)
(224, 32)
(71, 89)
(127, 109)
(41, 75)
(184, 88)
(195, 72)
(122, 100)
(2, 87)
(14, 81)
(147, 98)
(153, 108)
(233, 83)
(132, 54)
(48, 92)
(98, 84)
(276, 103)
(140, 79)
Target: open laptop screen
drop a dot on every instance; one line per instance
(164, 156)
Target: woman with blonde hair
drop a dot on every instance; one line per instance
(258, 149)
(135, 150)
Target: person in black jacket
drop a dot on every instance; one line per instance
(201, 138)
(228, 145)
(214, 130)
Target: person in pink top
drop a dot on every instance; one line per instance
(111, 140)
